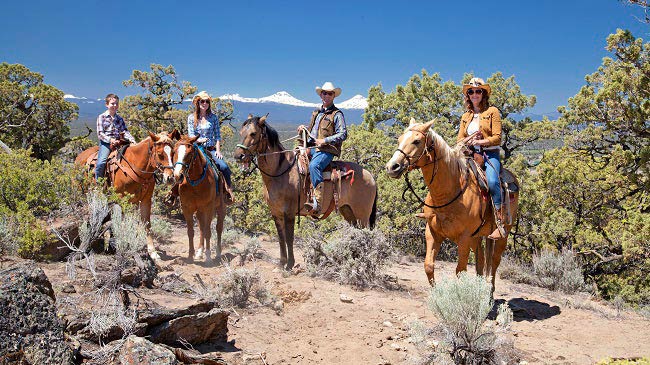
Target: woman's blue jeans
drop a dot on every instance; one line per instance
(318, 163)
(222, 166)
(492, 169)
(102, 157)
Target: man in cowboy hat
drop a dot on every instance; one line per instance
(326, 133)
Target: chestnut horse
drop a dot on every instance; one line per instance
(357, 201)
(134, 173)
(198, 192)
(454, 207)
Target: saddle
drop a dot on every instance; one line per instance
(333, 177)
(112, 163)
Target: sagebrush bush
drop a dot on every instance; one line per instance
(348, 255)
(462, 305)
(235, 287)
(558, 271)
(160, 228)
(129, 233)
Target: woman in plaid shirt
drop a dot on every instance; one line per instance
(205, 124)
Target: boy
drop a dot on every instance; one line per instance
(110, 130)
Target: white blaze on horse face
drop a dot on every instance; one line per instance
(179, 158)
(168, 151)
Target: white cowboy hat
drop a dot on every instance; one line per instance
(477, 82)
(328, 86)
(201, 96)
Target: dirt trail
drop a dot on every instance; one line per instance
(316, 327)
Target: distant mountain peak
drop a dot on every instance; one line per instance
(283, 97)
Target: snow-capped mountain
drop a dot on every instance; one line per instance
(79, 99)
(356, 102)
(283, 97)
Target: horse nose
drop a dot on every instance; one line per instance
(392, 168)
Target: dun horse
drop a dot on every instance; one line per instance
(454, 207)
(198, 193)
(283, 184)
(134, 173)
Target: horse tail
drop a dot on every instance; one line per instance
(373, 213)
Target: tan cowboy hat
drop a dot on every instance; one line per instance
(202, 95)
(477, 82)
(328, 86)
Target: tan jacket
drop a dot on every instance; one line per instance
(489, 125)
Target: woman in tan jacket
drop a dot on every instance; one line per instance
(480, 128)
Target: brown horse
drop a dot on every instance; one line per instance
(198, 192)
(454, 207)
(283, 190)
(134, 173)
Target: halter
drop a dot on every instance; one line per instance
(186, 171)
(150, 156)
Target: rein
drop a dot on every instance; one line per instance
(155, 164)
(254, 156)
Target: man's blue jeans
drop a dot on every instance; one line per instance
(102, 157)
(492, 169)
(319, 161)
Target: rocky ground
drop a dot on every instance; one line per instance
(313, 321)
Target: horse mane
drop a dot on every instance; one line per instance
(271, 134)
(453, 156)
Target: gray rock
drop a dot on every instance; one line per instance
(30, 330)
(139, 351)
(195, 329)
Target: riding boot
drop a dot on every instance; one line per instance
(229, 197)
(500, 231)
(170, 198)
(314, 206)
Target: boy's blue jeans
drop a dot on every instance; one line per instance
(102, 157)
(492, 170)
(319, 161)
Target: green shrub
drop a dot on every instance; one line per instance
(631, 361)
(349, 255)
(462, 305)
(235, 287)
(160, 228)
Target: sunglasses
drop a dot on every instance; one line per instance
(205, 101)
(327, 92)
(471, 92)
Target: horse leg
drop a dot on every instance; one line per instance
(221, 214)
(480, 257)
(499, 247)
(433, 247)
(289, 225)
(206, 235)
(189, 220)
(463, 255)
(145, 217)
(279, 226)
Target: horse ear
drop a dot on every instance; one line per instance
(428, 124)
(193, 139)
(249, 116)
(263, 119)
(153, 136)
(412, 122)
(175, 134)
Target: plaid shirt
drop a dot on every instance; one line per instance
(211, 130)
(110, 127)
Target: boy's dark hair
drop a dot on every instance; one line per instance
(111, 96)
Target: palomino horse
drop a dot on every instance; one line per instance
(357, 201)
(454, 207)
(134, 173)
(198, 192)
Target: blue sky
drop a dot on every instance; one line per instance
(255, 48)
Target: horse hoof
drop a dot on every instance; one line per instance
(198, 254)
(208, 257)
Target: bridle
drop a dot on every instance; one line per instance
(434, 160)
(186, 172)
(254, 156)
(151, 161)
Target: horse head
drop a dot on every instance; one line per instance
(163, 144)
(413, 145)
(253, 135)
(184, 153)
